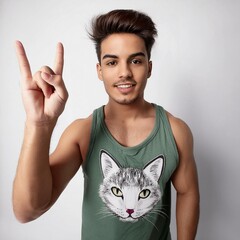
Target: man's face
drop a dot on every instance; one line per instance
(124, 67)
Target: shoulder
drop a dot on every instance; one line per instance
(82, 124)
(185, 178)
(181, 132)
(79, 127)
(78, 133)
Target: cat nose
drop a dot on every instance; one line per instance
(130, 211)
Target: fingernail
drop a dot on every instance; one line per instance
(46, 76)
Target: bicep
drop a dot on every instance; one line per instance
(65, 161)
(185, 182)
(184, 178)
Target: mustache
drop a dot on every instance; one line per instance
(125, 81)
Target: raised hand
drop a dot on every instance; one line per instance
(44, 93)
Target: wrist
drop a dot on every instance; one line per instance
(43, 126)
(41, 123)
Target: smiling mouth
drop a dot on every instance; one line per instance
(124, 86)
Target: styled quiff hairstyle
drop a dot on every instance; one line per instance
(123, 21)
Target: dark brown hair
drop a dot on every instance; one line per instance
(123, 21)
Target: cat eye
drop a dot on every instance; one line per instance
(117, 192)
(144, 193)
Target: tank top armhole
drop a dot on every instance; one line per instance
(92, 137)
(169, 130)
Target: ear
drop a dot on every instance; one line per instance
(154, 168)
(109, 166)
(99, 71)
(149, 69)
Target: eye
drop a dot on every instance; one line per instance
(136, 61)
(144, 193)
(117, 192)
(111, 63)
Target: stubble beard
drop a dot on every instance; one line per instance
(127, 100)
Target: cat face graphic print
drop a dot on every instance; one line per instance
(130, 193)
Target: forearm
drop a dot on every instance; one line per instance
(32, 188)
(187, 211)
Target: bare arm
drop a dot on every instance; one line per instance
(36, 185)
(185, 181)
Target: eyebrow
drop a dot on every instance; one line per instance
(131, 56)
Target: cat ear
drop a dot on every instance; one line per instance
(154, 168)
(109, 166)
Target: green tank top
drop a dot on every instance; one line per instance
(127, 190)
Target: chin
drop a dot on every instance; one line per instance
(126, 101)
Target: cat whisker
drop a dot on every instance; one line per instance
(145, 218)
(162, 206)
(104, 212)
(160, 213)
(106, 216)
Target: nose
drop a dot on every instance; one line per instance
(130, 211)
(125, 71)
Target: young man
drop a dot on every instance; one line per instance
(130, 150)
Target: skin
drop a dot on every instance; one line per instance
(124, 70)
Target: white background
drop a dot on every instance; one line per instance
(196, 72)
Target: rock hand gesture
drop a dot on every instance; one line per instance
(44, 93)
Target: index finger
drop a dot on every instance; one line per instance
(59, 59)
(23, 61)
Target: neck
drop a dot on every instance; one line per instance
(125, 112)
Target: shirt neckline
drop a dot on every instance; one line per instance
(133, 149)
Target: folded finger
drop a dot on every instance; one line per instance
(42, 85)
(57, 84)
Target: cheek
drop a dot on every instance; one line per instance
(107, 77)
(115, 202)
(141, 74)
(145, 203)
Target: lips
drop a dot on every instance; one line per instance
(125, 83)
(124, 86)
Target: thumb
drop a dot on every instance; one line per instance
(46, 76)
(57, 83)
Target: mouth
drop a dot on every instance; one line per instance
(124, 86)
(129, 219)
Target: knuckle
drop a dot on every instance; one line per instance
(46, 69)
(37, 76)
(38, 79)
(58, 80)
